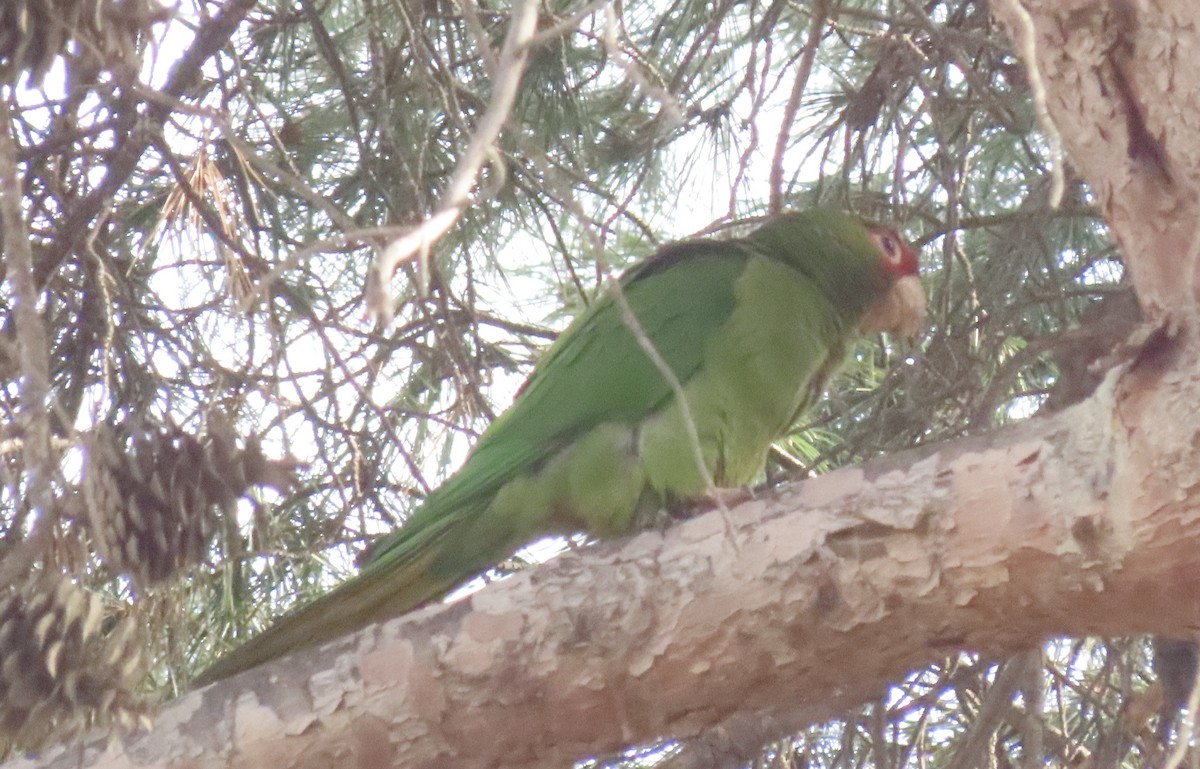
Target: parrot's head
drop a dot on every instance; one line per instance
(865, 269)
(900, 308)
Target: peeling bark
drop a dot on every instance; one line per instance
(1065, 526)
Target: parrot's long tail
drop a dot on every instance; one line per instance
(393, 583)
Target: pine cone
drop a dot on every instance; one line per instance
(154, 500)
(59, 670)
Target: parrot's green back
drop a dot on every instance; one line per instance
(751, 329)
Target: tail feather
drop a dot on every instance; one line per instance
(386, 588)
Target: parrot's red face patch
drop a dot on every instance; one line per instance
(895, 254)
(901, 310)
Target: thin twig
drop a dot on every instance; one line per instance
(134, 130)
(803, 70)
(1026, 43)
(470, 17)
(672, 109)
(685, 412)
(569, 24)
(479, 150)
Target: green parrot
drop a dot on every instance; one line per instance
(596, 437)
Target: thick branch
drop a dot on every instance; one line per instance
(1079, 524)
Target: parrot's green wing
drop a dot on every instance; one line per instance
(595, 372)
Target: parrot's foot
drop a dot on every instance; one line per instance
(660, 517)
(730, 497)
(721, 498)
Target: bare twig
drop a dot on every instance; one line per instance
(994, 708)
(569, 24)
(1026, 43)
(136, 130)
(685, 412)
(470, 17)
(416, 243)
(670, 104)
(803, 70)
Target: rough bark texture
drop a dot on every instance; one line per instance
(1125, 97)
(835, 587)
(1084, 523)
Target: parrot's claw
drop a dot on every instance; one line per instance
(716, 497)
(732, 497)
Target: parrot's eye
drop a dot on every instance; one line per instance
(890, 247)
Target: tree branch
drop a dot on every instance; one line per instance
(32, 359)
(416, 243)
(803, 70)
(1085, 523)
(135, 131)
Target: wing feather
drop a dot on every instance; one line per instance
(596, 372)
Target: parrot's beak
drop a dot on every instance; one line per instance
(901, 311)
